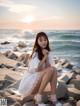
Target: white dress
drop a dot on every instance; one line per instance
(31, 78)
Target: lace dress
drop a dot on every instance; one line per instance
(31, 78)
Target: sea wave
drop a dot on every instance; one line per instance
(64, 43)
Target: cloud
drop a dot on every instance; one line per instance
(17, 8)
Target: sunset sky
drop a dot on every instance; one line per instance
(40, 14)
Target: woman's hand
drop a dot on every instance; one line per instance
(45, 52)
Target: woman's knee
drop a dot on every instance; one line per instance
(53, 70)
(50, 70)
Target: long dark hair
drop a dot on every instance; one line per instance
(37, 48)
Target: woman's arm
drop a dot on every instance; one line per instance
(42, 62)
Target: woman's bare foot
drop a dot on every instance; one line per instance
(38, 98)
(53, 99)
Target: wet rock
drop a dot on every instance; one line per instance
(75, 93)
(5, 84)
(76, 69)
(15, 85)
(11, 55)
(1, 84)
(13, 77)
(21, 44)
(67, 65)
(65, 77)
(2, 66)
(9, 74)
(16, 49)
(31, 103)
(6, 61)
(4, 93)
(6, 42)
(62, 91)
(76, 83)
(62, 61)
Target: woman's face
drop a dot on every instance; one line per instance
(42, 41)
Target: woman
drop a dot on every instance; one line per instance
(40, 72)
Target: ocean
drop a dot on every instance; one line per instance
(63, 43)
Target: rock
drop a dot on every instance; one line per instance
(12, 76)
(16, 49)
(62, 91)
(75, 93)
(76, 69)
(62, 61)
(4, 93)
(7, 53)
(9, 74)
(15, 85)
(76, 83)
(2, 66)
(67, 65)
(31, 103)
(65, 77)
(6, 42)
(24, 58)
(58, 66)
(6, 61)
(5, 84)
(18, 67)
(21, 69)
(66, 70)
(11, 55)
(21, 44)
(78, 103)
(1, 85)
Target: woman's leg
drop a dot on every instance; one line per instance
(49, 76)
(43, 73)
(35, 90)
(53, 81)
(46, 78)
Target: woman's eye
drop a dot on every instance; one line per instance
(45, 40)
(40, 40)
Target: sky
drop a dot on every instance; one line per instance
(40, 14)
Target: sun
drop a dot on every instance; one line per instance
(28, 19)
